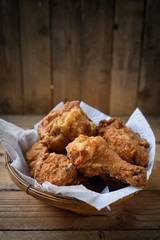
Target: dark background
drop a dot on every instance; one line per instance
(106, 53)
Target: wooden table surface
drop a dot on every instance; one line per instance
(24, 217)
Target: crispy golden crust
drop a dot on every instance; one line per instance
(92, 157)
(124, 171)
(62, 126)
(128, 144)
(87, 154)
(52, 167)
(36, 155)
(57, 169)
(110, 155)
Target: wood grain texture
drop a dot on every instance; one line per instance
(65, 20)
(22, 211)
(10, 67)
(50, 235)
(79, 235)
(5, 181)
(149, 86)
(155, 125)
(23, 121)
(97, 29)
(35, 42)
(126, 56)
(154, 180)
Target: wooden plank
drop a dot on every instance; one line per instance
(23, 121)
(65, 18)
(50, 235)
(149, 87)
(155, 125)
(157, 154)
(97, 31)
(22, 212)
(126, 52)
(5, 181)
(10, 67)
(35, 42)
(154, 180)
(79, 235)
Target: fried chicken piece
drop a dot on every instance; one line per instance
(52, 167)
(57, 169)
(87, 154)
(62, 126)
(36, 155)
(128, 144)
(92, 157)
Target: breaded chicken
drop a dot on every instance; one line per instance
(57, 169)
(126, 143)
(87, 154)
(91, 156)
(62, 126)
(52, 167)
(36, 155)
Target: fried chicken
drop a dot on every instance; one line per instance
(62, 126)
(91, 156)
(126, 143)
(54, 168)
(36, 155)
(57, 169)
(87, 154)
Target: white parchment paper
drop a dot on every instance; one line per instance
(17, 141)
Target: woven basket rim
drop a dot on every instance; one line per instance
(12, 171)
(57, 200)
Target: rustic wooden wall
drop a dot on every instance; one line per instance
(104, 52)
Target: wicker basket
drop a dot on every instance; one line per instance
(56, 200)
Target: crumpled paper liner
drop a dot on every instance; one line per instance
(17, 141)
